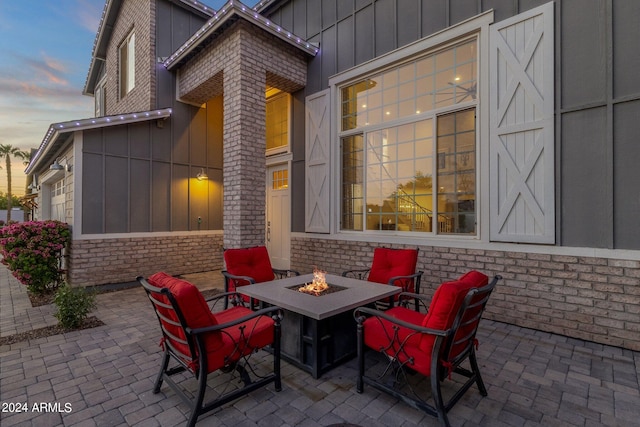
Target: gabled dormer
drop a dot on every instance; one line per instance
(123, 71)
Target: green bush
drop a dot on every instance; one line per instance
(74, 304)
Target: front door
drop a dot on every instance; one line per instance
(279, 216)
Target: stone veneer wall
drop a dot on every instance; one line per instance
(118, 260)
(595, 299)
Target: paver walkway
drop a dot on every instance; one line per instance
(103, 377)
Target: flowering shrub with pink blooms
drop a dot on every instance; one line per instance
(33, 250)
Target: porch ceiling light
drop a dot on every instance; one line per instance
(202, 176)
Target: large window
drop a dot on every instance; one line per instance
(408, 144)
(127, 57)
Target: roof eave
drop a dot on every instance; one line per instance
(230, 11)
(57, 130)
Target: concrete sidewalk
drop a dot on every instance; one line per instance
(103, 377)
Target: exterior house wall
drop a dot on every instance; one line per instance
(596, 298)
(587, 285)
(139, 179)
(142, 177)
(139, 16)
(594, 95)
(120, 260)
(49, 177)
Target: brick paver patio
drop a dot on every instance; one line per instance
(103, 377)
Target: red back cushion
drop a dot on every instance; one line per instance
(388, 263)
(253, 262)
(194, 308)
(446, 302)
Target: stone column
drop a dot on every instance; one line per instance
(244, 147)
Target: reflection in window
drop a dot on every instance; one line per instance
(399, 192)
(438, 80)
(457, 172)
(408, 146)
(352, 185)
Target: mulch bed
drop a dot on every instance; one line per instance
(47, 298)
(44, 298)
(47, 331)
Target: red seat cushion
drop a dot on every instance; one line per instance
(388, 263)
(253, 262)
(241, 339)
(194, 308)
(442, 312)
(222, 347)
(446, 302)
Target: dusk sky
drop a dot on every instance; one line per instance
(45, 48)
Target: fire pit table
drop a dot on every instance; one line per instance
(318, 331)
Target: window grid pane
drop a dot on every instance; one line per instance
(441, 79)
(352, 183)
(277, 121)
(456, 173)
(399, 184)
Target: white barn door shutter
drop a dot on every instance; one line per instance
(317, 137)
(521, 128)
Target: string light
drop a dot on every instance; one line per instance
(228, 10)
(91, 123)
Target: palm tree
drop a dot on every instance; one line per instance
(7, 151)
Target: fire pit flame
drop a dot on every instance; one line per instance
(318, 285)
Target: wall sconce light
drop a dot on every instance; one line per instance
(201, 176)
(56, 166)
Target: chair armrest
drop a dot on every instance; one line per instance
(360, 315)
(252, 315)
(410, 276)
(420, 299)
(285, 273)
(357, 274)
(228, 276)
(219, 296)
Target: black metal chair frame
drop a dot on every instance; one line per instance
(476, 297)
(279, 274)
(197, 346)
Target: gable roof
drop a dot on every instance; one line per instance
(59, 132)
(105, 28)
(229, 13)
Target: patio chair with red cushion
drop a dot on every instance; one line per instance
(420, 348)
(199, 341)
(394, 267)
(246, 266)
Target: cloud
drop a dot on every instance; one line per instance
(47, 68)
(88, 14)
